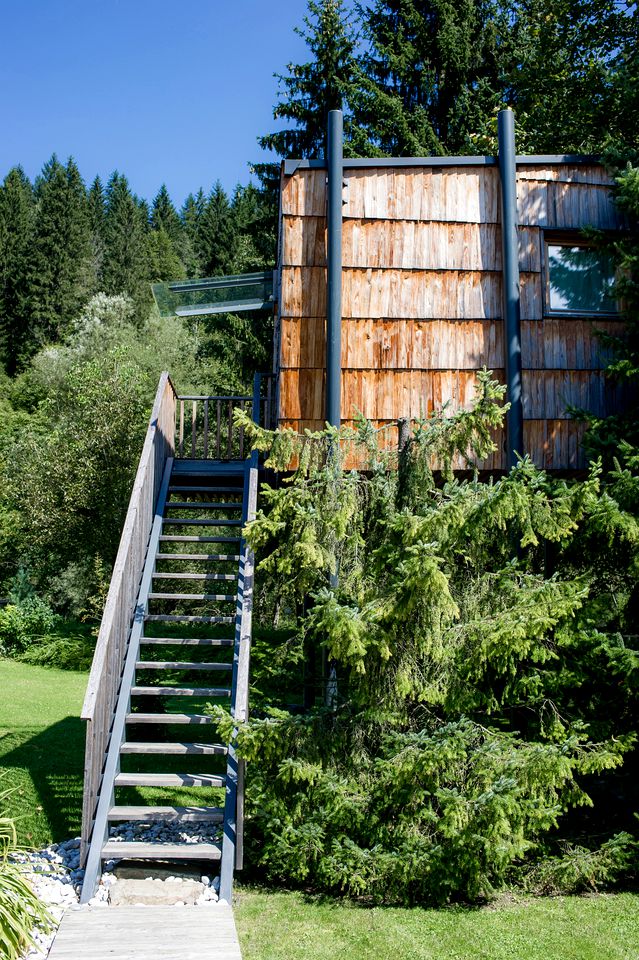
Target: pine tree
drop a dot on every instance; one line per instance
(217, 239)
(16, 236)
(309, 90)
(126, 266)
(63, 276)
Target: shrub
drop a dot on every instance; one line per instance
(24, 623)
(483, 637)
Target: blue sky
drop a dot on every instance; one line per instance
(163, 91)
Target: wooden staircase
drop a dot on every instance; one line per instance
(188, 647)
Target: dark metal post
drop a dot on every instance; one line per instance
(334, 271)
(510, 267)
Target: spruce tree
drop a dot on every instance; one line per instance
(326, 82)
(165, 216)
(164, 261)
(191, 219)
(217, 240)
(16, 236)
(97, 213)
(432, 74)
(126, 261)
(167, 242)
(567, 55)
(63, 277)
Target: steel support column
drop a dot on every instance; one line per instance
(510, 268)
(334, 269)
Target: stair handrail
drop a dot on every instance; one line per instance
(115, 627)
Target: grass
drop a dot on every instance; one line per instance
(41, 759)
(290, 926)
(42, 750)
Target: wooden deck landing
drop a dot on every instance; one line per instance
(147, 933)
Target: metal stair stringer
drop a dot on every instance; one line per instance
(232, 841)
(99, 835)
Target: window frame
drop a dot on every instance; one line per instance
(556, 238)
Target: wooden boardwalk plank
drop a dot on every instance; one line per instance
(146, 933)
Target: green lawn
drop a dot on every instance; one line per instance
(42, 749)
(289, 926)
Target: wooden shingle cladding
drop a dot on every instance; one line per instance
(422, 298)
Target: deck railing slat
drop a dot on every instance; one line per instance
(193, 428)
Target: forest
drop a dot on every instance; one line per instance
(484, 630)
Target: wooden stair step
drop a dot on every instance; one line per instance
(191, 538)
(180, 692)
(188, 641)
(198, 522)
(154, 747)
(192, 596)
(195, 576)
(184, 618)
(118, 850)
(203, 505)
(182, 814)
(180, 665)
(170, 780)
(211, 489)
(169, 718)
(197, 556)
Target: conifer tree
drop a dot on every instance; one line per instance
(432, 74)
(165, 216)
(561, 80)
(216, 235)
(63, 277)
(164, 262)
(326, 82)
(167, 241)
(252, 217)
(191, 218)
(16, 234)
(97, 212)
(126, 266)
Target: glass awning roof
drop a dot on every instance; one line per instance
(194, 298)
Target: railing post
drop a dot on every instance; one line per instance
(257, 390)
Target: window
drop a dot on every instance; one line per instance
(578, 278)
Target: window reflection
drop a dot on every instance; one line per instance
(579, 279)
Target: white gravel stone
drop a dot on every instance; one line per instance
(56, 876)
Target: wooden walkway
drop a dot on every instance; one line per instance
(147, 933)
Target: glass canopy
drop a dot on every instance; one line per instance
(193, 298)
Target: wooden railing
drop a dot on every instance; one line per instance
(187, 426)
(111, 646)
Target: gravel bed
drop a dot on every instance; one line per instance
(56, 876)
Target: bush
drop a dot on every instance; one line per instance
(483, 636)
(25, 623)
(65, 652)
